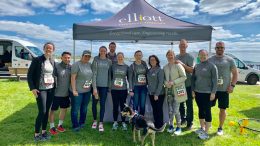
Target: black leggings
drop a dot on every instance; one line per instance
(157, 110)
(44, 101)
(119, 98)
(204, 105)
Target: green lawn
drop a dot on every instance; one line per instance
(18, 111)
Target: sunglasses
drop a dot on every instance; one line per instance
(220, 47)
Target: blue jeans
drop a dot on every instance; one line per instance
(140, 93)
(102, 93)
(79, 102)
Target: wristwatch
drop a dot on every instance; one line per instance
(233, 85)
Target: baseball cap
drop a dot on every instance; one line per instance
(86, 52)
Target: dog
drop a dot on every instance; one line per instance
(140, 123)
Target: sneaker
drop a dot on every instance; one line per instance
(177, 131)
(37, 138)
(199, 131)
(100, 127)
(124, 126)
(82, 126)
(115, 126)
(46, 136)
(170, 129)
(60, 128)
(94, 125)
(76, 129)
(220, 131)
(53, 131)
(203, 135)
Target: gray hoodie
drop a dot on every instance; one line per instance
(155, 77)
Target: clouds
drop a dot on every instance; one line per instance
(253, 10)
(222, 34)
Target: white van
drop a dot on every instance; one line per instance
(245, 72)
(16, 55)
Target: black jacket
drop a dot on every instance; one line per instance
(35, 70)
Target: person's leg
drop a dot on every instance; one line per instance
(49, 99)
(75, 106)
(54, 107)
(183, 112)
(223, 104)
(199, 101)
(143, 99)
(159, 110)
(103, 96)
(208, 116)
(84, 108)
(153, 104)
(94, 107)
(136, 97)
(65, 103)
(177, 116)
(189, 103)
(122, 101)
(115, 98)
(40, 104)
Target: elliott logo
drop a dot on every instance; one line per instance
(140, 18)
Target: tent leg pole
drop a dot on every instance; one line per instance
(91, 46)
(210, 47)
(171, 46)
(74, 51)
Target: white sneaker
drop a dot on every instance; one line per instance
(115, 126)
(203, 135)
(199, 131)
(220, 131)
(170, 129)
(124, 126)
(177, 131)
(94, 125)
(101, 128)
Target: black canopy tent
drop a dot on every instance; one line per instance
(139, 22)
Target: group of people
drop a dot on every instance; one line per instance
(180, 81)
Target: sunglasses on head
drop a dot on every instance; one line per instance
(220, 47)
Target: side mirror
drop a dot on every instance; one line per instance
(246, 67)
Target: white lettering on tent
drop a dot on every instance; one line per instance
(133, 18)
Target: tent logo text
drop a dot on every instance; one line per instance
(135, 18)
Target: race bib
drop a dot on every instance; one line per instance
(87, 84)
(180, 90)
(141, 79)
(220, 81)
(118, 82)
(48, 79)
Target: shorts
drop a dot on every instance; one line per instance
(62, 102)
(223, 99)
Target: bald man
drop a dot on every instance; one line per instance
(187, 61)
(226, 83)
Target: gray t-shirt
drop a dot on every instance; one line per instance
(155, 78)
(119, 76)
(63, 79)
(47, 79)
(102, 71)
(137, 75)
(188, 60)
(204, 78)
(225, 65)
(84, 76)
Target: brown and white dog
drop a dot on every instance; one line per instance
(140, 123)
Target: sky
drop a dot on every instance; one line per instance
(236, 22)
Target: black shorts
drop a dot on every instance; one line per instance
(62, 102)
(223, 99)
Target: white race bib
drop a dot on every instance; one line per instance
(118, 82)
(220, 81)
(48, 79)
(141, 79)
(87, 84)
(181, 90)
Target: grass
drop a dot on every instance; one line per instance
(18, 111)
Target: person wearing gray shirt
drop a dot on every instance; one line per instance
(101, 67)
(119, 77)
(187, 61)
(81, 81)
(204, 87)
(61, 98)
(112, 52)
(226, 67)
(138, 82)
(155, 78)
